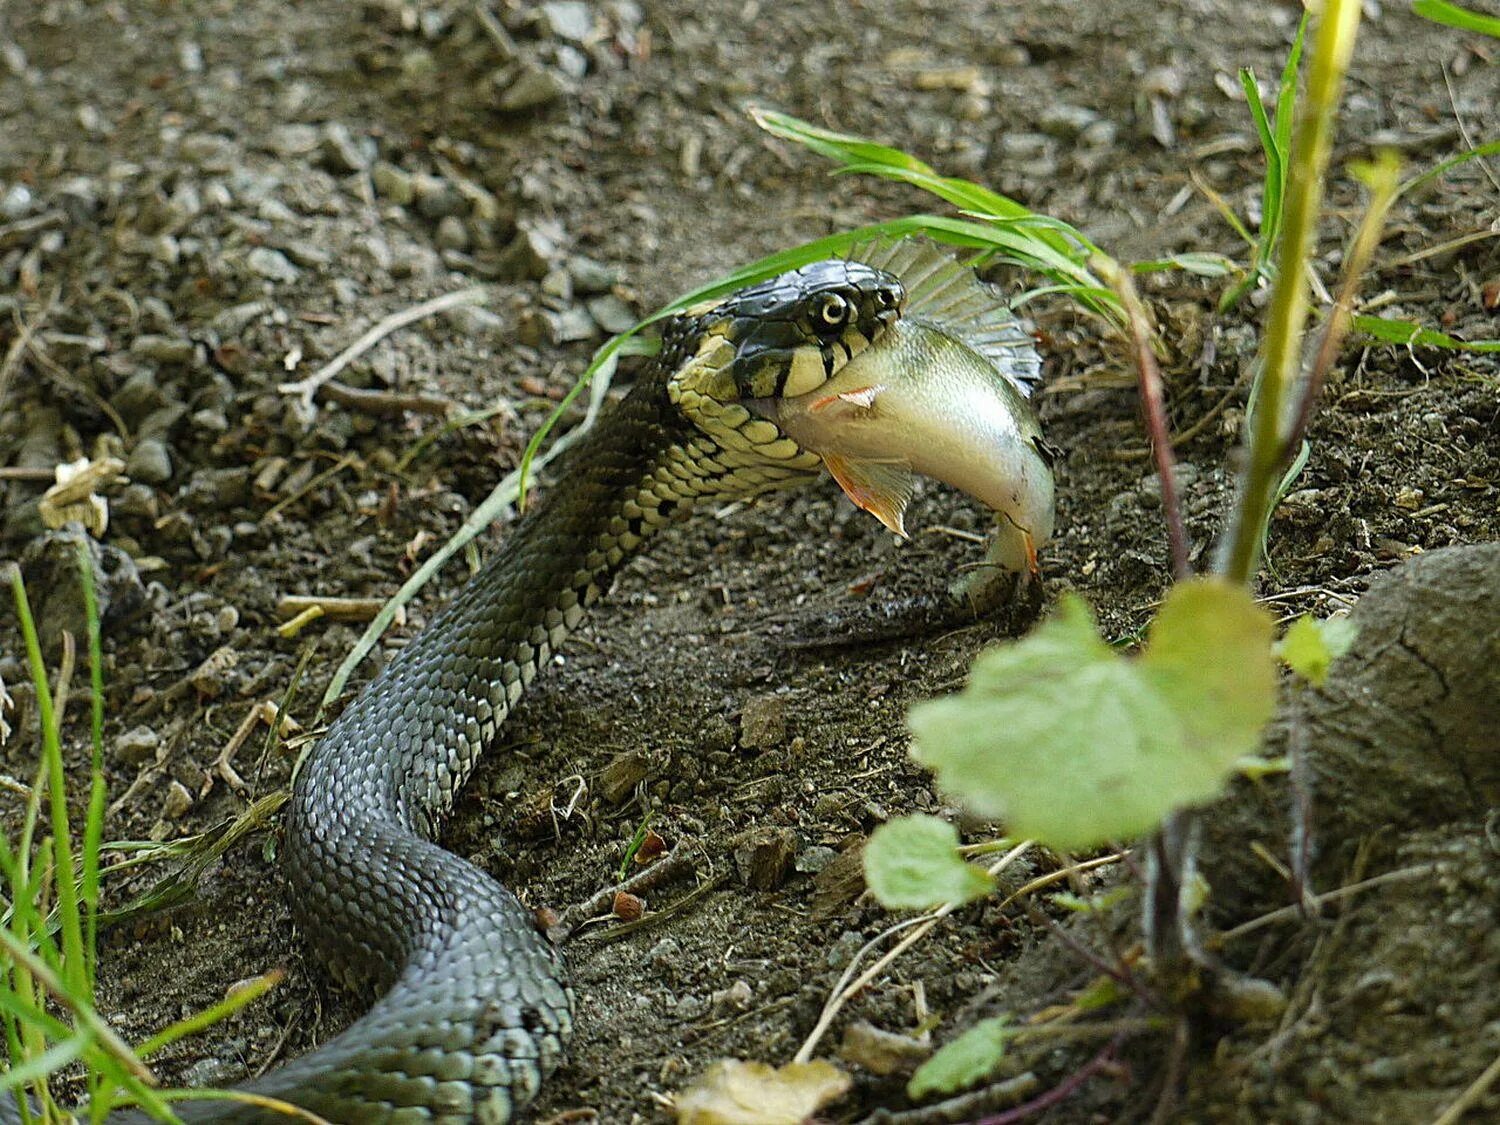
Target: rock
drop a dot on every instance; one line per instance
(763, 722)
(843, 949)
(343, 152)
(149, 461)
(569, 325)
(162, 349)
(138, 396)
(436, 197)
(814, 859)
(1401, 738)
(558, 284)
(136, 746)
(393, 183)
(881, 1052)
(568, 19)
(532, 87)
(611, 314)
(272, 264)
(622, 774)
(451, 234)
(178, 800)
(590, 276)
(293, 140)
(763, 856)
(210, 421)
(1066, 121)
(233, 321)
(529, 254)
(209, 152)
(16, 203)
(49, 564)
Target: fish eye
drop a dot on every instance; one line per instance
(885, 298)
(833, 310)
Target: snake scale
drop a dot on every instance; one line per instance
(475, 1011)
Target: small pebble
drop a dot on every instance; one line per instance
(177, 802)
(532, 87)
(611, 314)
(568, 19)
(163, 349)
(451, 234)
(343, 152)
(590, 276)
(136, 746)
(566, 326)
(149, 461)
(393, 183)
(272, 264)
(763, 722)
(763, 856)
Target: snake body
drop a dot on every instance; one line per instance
(475, 1010)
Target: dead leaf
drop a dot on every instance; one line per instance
(734, 1092)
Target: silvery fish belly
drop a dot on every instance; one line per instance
(942, 393)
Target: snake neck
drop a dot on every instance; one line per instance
(643, 466)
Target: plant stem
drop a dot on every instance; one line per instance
(1153, 406)
(1338, 24)
(1381, 178)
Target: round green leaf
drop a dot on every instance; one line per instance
(912, 863)
(1075, 745)
(968, 1059)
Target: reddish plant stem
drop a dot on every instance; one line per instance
(1059, 1093)
(1153, 408)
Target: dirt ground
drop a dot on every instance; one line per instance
(200, 200)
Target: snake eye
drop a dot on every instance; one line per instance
(833, 310)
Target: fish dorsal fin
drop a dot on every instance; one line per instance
(945, 292)
(881, 488)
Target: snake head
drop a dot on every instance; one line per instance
(731, 360)
(787, 335)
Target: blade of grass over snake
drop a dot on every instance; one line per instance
(501, 497)
(93, 826)
(74, 966)
(1489, 148)
(1455, 15)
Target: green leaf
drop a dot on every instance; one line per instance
(912, 863)
(1075, 745)
(1091, 904)
(1104, 992)
(1203, 263)
(1414, 335)
(970, 1058)
(1440, 11)
(1311, 646)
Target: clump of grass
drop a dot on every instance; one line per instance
(50, 925)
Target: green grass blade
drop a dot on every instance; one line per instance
(1440, 11)
(835, 146)
(1489, 148)
(860, 155)
(74, 965)
(210, 1016)
(1414, 335)
(1286, 92)
(17, 1007)
(54, 1058)
(93, 828)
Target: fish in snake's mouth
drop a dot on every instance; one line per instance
(895, 363)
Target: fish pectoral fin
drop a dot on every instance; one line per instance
(1014, 549)
(881, 488)
(859, 399)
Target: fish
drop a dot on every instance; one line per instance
(945, 392)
